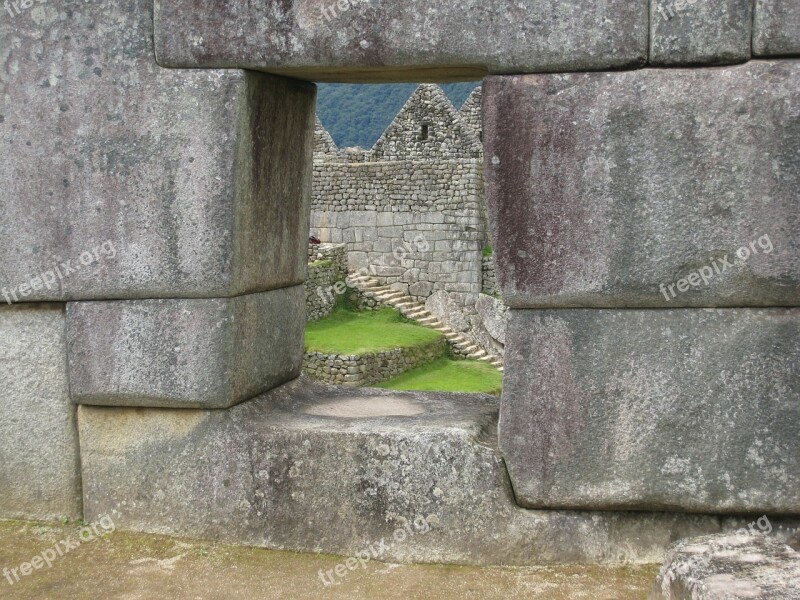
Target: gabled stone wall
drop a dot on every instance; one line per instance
(412, 209)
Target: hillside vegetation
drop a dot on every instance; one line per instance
(357, 114)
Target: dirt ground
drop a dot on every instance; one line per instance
(133, 566)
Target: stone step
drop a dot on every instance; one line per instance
(417, 315)
(414, 310)
(428, 321)
(310, 467)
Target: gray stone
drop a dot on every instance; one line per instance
(605, 186)
(39, 466)
(687, 32)
(197, 180)
(390, 41)
(420, 288)
(729, 567)
(327, 469)
(447, 310)
(494, 316)
(776, 28)
(208, 353)
(693, 410)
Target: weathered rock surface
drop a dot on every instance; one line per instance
(692, 409)
(329, 469)
(776, 28)
(199, 180)
(686, 32)
(208, 353)
(447, 310)
(606, 186)
(494, 316)
(391, 41)
(729, 567)
(39, 466)
(489, 323)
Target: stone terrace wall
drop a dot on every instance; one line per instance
(364, 369)
(329, 266)
(320, 279)
(489, 277)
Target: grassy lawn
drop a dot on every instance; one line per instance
(346, 332)
(447, 375)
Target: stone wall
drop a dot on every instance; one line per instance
(418, 241)
(489, 282)
(328, 267)
(605, 179)
(364, 369)
(320, 281)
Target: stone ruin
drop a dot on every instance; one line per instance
(642, 177)
(411, 211)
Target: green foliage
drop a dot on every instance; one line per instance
(357, 115)
(487, 250)
(346, 332)
(448, 375)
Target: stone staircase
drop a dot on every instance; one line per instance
(463, 346)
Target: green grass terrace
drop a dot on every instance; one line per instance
(346, 332)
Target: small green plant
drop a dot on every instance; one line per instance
(487, 250)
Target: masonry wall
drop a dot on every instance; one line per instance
(327, 266)
(416, 225)
(375, 367)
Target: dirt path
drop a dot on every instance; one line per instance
(131, 567)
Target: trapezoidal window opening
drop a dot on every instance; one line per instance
(398, 245)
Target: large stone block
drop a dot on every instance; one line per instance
(208, 353)
(198, 180)
(689, 409)
(604, 187)
(318, 468)
(39, 466)
(729, 567)
(776, 28)
(385, 40)
(685, 32)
